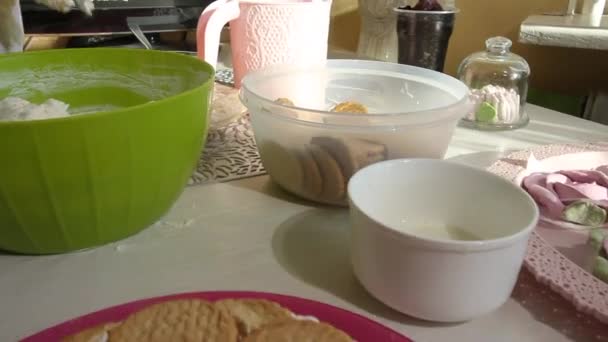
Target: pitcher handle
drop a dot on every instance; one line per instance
(210, 25)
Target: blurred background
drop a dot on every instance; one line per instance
(570, 80)
(562, 78)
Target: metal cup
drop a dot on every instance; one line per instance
(423, 37)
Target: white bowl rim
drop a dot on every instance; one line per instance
(445, 244)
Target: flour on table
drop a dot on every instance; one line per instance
(17, 109)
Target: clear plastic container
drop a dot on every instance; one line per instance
(313, 152)
(498, 80)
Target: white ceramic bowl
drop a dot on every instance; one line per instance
(404, 257)
(313, 152)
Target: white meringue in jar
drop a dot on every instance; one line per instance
(506, 103)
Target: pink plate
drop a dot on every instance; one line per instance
(556, 257)
(358, 327)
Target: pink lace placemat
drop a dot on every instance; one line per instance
(545, 262)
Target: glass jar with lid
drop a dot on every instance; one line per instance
(498, 80)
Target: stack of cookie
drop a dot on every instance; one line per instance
(244, 320)
(321, 170)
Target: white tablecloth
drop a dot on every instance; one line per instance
(249, 235)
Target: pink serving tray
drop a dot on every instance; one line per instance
(556, 256)
(358, 327)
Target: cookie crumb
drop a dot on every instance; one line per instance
(350, 107)
(284, 101)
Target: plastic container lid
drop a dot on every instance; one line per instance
(394, 94)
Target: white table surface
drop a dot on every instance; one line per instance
(249, 235)
(574, 31)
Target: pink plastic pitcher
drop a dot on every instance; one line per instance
(265, 32)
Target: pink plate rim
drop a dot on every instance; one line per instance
(547, 264)
(360, 328)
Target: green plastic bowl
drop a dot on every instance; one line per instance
(72, 183)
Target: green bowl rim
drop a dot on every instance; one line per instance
(206, 83)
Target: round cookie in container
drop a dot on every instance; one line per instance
(411, 113)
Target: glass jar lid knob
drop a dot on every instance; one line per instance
(498, 45)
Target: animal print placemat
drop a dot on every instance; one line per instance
(230, 152)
